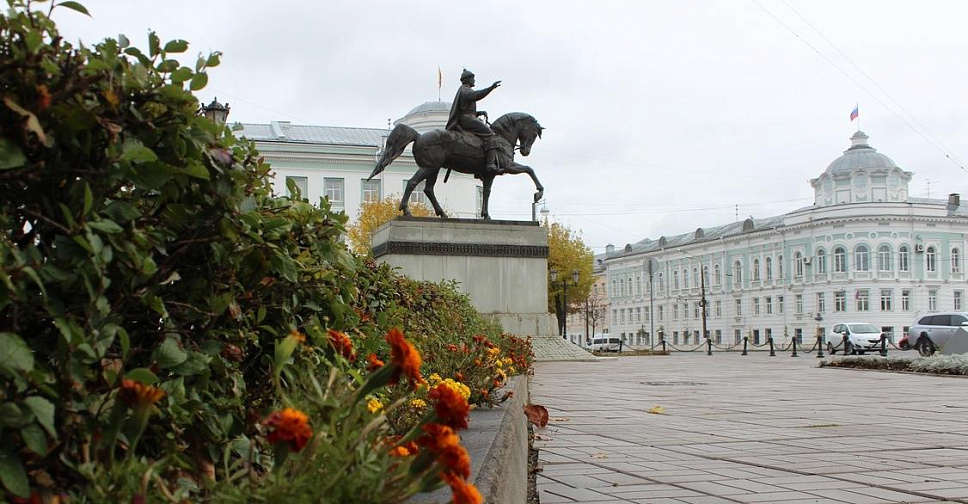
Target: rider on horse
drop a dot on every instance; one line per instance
(464, 116)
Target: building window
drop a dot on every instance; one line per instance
(779, 304)
(719, 309)
(685, 279)
(648, 314)
(638, 286)
(695, 277)
(738, 274)
(798, 302)
(798, 265)
(755, 271)
(779, 267)
(614, 316)
(705, 274)
(862, 258)
(887, 299)
(737, 336)
(661, 283)
(863, 300)
(798, 334)
(719, 336)
(840, 260)
(621, 288)
(614, 288)
(903, 264)
(695, 310)
(739, 307)
(756, 306)
(675, 280)
(717, 275)
(769, 268)
(932, 260)
(768, 301)
(301, 183)
(638, 314)
(933, 300)
(821, 262)
(675, 311)
(955, 260)
(905, 300)
(884, 258)
(418, 196)
(661, 313)
(959, 300)
(333, 190)
(371, 190)
(821, 304)
(840, 301)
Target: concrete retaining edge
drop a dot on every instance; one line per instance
(497, 442)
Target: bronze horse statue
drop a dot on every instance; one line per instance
(464, 153)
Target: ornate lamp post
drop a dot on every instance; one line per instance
(215, 111)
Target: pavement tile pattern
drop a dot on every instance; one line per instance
(754, 429)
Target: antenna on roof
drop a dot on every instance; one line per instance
(389, 122)
(737, 213)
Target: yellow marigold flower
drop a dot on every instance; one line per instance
(298, 336)
(501, 375)
(418, 403)
(493, 352)
(434, 379)
(458, 387)
(373, 405)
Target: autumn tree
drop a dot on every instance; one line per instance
(568, 253)
(374, 214)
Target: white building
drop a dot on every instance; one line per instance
(863, 252)
(334, 162)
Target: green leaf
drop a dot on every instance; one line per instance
(176, 46)
(12, 415)
(12, 474)
(198, 81)
(15, 354)
(143, 375)
(105, 226)
(123, 41)
(181, 75)
(154, 44)
(134, 151)
(44, 410)
(197, 170)
(88, 199)
(33, 40)
(74, 6)
(35, 439)
(170, 354)
(10, 155)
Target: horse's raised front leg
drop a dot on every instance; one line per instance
(429, 191)
(517, 168)
(488, 181)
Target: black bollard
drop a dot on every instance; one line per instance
(709, 345)
(820, 346)
(663, 345)
(844, 343)
(883, 345)
(746, 340)
(794, 348)
(772, 353)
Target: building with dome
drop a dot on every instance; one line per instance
(334, 162)
(865, 251)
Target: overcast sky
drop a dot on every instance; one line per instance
(661, 116)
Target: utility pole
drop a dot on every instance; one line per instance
(652, 265)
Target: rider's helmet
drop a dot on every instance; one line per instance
(466, 75)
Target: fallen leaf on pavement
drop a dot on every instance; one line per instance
(600, 455)
(537, 414)
(560, 419)
(657, 410)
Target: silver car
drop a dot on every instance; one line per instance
(861, 337)
(944, 332)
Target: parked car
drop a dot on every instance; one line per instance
(861, 337)
(606, 345)
(944, 332)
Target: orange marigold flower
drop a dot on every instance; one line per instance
(137, 394)
(300, 337)
(405, 357)
(289, 426)
(373, 362)
(451, 407)
(342, 344)
(464, 492)
(443, 442)
(452, 347)
(459, 376)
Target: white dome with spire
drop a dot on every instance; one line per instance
(427, 116)
(861, 175)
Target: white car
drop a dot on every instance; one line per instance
(861, 337)
(606, 345)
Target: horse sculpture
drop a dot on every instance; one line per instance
(464, 153)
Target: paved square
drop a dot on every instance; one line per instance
(748, 429)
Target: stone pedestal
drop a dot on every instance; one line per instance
(501, 265)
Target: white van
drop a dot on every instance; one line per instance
(605, 344)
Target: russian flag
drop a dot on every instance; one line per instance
(854, 113)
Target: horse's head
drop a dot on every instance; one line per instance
(518, 128)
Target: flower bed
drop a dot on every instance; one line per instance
(936, 364)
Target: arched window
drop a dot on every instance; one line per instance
(862, 258)
(661, 283)
(717, 275)
(798, 265)
(821, 263)
(685, 279)
(779, 267)
(705, 274)
(903, 260)
(695, 277)
(931, 256)
(675, 279)
(955, 260)
(638, 286)
(755, 271)
(621, 287)
(630, 286)
(840, 260)
(769, 268)
(614, 288)
(738, 273)
(884, 258)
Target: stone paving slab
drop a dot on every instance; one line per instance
(753, 429)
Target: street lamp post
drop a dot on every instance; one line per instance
(216, 111)
(652, 266)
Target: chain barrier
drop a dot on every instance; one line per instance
(681, 350)
(794, 346)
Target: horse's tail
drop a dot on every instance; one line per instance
(399, 139)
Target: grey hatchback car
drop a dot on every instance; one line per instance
(947, 332)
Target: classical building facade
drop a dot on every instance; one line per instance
(334, 162)
(863, 252)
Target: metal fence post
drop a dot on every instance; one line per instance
(746, 340)
(883, 345)
(794, 347)
(663, 344)
(820, 346)
(709, 345)
(845, 342)
(772, 352)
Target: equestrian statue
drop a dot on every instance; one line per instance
(466, 145)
